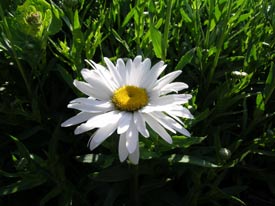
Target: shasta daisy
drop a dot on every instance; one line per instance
(129, 98)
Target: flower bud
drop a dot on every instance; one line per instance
(225, 153)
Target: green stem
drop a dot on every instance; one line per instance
(166, 30)
(223, 34)
(135, 190)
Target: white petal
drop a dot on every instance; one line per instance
(84, 87)
(140, 124)
(122, 150)
(161, 107)
(150, 79)
(98, 93)
(99, 121)
(115, 74)
(128, 68)
(135, 72)
(142, 71)
(105, 75)
(165, 121)
(100, 135)
(84, 100)
(169, 123)
(173, 87)
(183, 131)
(182, 112)
(158, 128)
(171, 99)
(120, 65)
(80, 117)
(100, 88)
(134, 157)
(167, 79)
(97, 107)
(145, 65)
(124, 122)
(131, 137)
(137, 60)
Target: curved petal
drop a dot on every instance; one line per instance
(80, 117)
(183, 131)
(124, 122)
(181, 112)
(97, 107)
(114, 72)
(173, 87)
(120, 65)
(122, 150)
(149, 80)
(171, 99)
(134, 157)
(100, 135)
(131, 138)
(145, 65)
(140, 124)
(158, 128)
(104, 74)
(164, 121)
(128, 68)
(135, 72)
(170, 123)
(167, 79)
(99, 121)
(84, 87)
(100, 89)
(91, 91)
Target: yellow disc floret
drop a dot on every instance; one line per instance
(130, 98)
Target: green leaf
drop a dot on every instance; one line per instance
(129, 16)
(183, 141)
(21, 148)
(260, 102)
(56, 22)
(23, 184)
(270, 83)
(185, 16)
(185, 59)
(156, 38)
(122, 41)
(101, 159)
(187, 159)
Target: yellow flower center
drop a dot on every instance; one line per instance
(130, 98)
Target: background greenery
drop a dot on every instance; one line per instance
(230, 159)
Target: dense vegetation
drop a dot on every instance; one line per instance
(226, 50)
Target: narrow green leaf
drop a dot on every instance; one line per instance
(260, 102)
(156, 38)
(21, 148)
(119, 38)
(23, 184)
(185, 16)
(76, 23)
(187, 159)
(103, 160)
(270, 83)
(183, 141)
(185, 59)
(129, 16)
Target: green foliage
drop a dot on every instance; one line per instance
(226, 52)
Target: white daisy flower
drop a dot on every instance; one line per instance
(127, 98)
